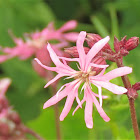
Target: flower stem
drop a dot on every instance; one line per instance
(127, 85)
(29, 131)
(56, 111)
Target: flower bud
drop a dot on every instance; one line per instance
(131, 43)
(91, 39)
(73, 51)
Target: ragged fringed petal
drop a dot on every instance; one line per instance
(53, 56)
(88, 110)
(80, 49)
(111, 87)
(54, 79)
(70, 99)
(100, 110)
(45, 67)
(56, 98)
(78, 106)
(116, 73)
(71, 36)
(95, 49)
(68, 26)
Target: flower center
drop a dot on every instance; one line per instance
(38, 43)
(84, 76)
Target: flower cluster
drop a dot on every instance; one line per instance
(91, 72)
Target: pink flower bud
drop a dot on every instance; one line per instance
(91, 39)
(131, 43)
(73, 51)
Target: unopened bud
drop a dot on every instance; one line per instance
(73, 51)
(91, 39)
(131, 43)
(136, 86)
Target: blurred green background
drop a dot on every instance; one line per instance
(27, 95)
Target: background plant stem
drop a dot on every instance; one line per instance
(56, 111)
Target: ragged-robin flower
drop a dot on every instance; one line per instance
(34, 44)
(87, 75)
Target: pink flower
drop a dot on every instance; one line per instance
(35, 43)
(85, 75)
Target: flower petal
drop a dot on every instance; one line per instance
(71, 96)
(116, 73)
(68, 26)
(78, 106)
(88, 111)
(111, 87)
(56, 98)
(100, 110)
(80, 49)
(54, 79)
(95, 49)
(98, 66)
(72, 36)
(46, 67)
(53, 56)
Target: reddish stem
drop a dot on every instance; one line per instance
(127, 85)
(27, 130)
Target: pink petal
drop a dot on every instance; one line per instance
(97, 95)
(100, 110)
(71, 36)
(53, 56)
(116, 73)
(46, 67)
(53, 80)
(111, 87)
(80, 49)
(78, 101)
(98, 66)
(53, 100)
(68, 26)
(88, 111)
(95, 49)
(70, 99)
(78, 106)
